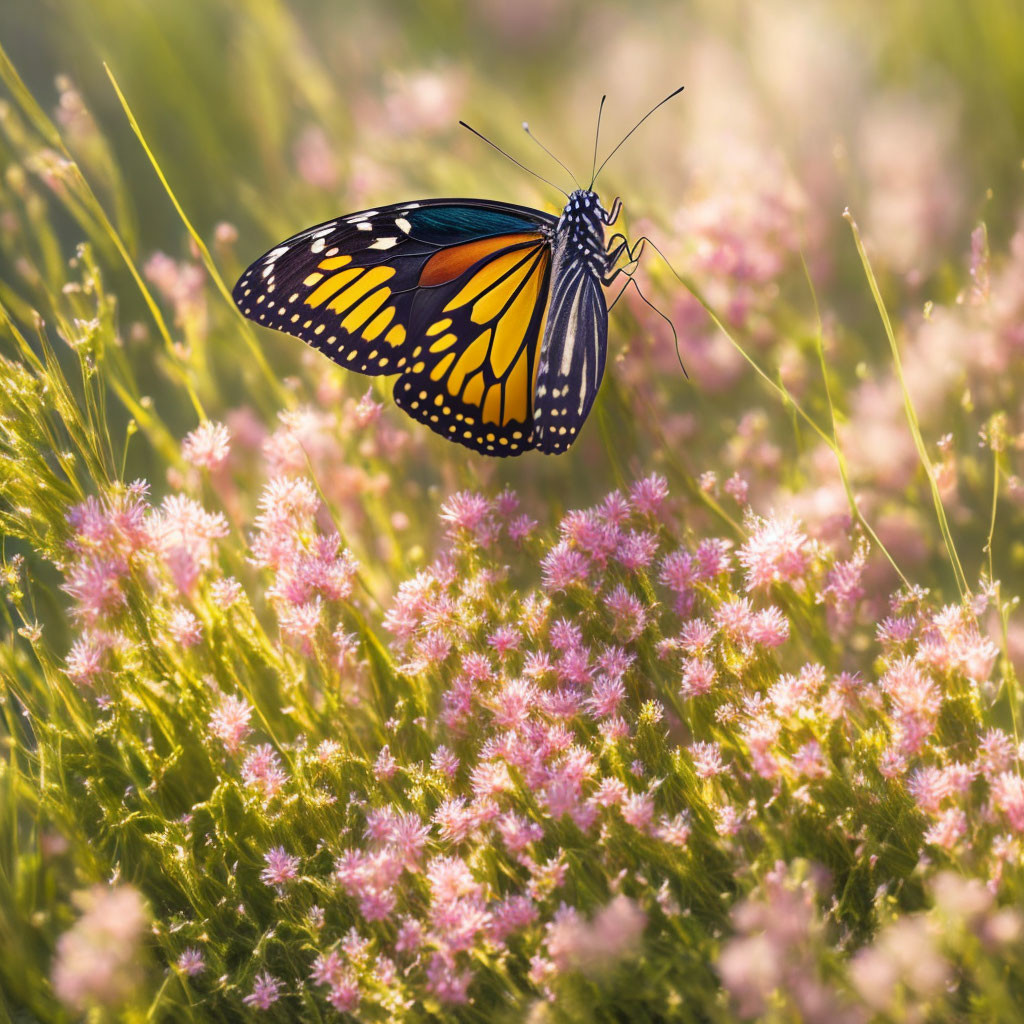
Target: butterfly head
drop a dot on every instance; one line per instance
(584, 215)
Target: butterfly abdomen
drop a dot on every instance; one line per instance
(574, 345)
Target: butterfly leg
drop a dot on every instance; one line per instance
(612, 215)
(632, 281)
(632, 252)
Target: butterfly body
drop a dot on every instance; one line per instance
(491, 315)
(575, 340)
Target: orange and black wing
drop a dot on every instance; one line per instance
(450, 295)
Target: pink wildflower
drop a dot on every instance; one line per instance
(563, 568)
(738, 488)
(465, 510)
(184, 627)
(769, 628)
(948, 830)
(674, 831)
(637, 809)
(281, 866)
(628, 615)
(327, 968)
(345, 993)
(263, 769)
(207, 446)
(707, 759)
(776, 552)
(699, 677)
(230, 722)
(648, 495)
(266, 990)
(636, 550)
(1008, 796)
(191, 962)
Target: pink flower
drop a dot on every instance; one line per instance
(679, 571)
(735, 618)
(504, 639)
(444, 761)
(385, 766)
(995, 752)
(776, 552)
(281, 866)
(809, 761)
(699, 677)
(648, 495)
(605, 697)
(636, 550)
(230, 722)
(184, 627)
(928, 787)
(345, 993)
(449, 984)
(191, 962)
(563, 568)
(266, 990)
(713, 558)
(410, 936)
(85, 660)
(843, 588)
(674, 831)
(738, 488)
(769, 628)
(707, 759)
(628, 615)
(455, 821)
(208, 446)
(263, 769)
(465, 510)
(637, 809)
(226, 592)
(948, 830)
(1008, 796)
(327, 969)
(518, 832)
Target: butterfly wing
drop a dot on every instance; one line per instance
(448, 293)
(573, 357)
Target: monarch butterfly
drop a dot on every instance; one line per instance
(491, 316)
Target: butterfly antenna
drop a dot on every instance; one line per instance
(526, 128)
(634, 128)
(513, 159)
(597, 135)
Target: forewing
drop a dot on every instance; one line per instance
(572, 359)
(351, 287)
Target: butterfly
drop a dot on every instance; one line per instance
(490, 316)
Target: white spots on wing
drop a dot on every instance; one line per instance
(324, 231)
(364, 225)
(403, 225)
(268, 270)
(384, 243)
(318, 246)
(276, 254)
(409, 206)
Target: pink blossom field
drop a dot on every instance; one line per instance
(310, 715)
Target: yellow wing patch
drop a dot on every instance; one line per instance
(492, 316)
(359, 298)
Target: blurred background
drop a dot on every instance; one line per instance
(268, 116)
